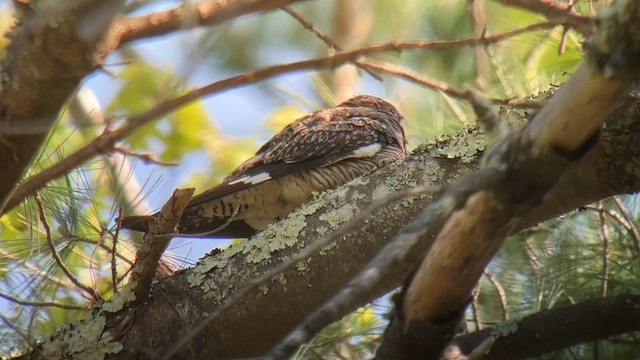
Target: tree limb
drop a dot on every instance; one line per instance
(540, 333)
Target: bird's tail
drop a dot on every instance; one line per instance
(136, 222)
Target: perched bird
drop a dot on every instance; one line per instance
(319, 151)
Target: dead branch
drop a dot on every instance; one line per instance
(155, 242)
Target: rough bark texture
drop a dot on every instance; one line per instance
(51, 51)
(259, 320)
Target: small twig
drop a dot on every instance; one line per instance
(147, 158)
(22, 334)
(632, 227)
(149, 254)
(114, 251)
(474, 306)
(326, 39)
(624, 220)
(604, 229)
(108, 249)
(41, 303)
(297, 258)
(501, 294)
(553, 10)
(36, 270)
(413, 76)
(56, 257)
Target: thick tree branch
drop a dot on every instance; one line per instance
(603, 172)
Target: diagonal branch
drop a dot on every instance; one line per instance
(186, 16)
(106, 142)
(554, 10)
(56, 257)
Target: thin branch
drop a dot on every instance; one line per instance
(629, 226)
(19, 331)
(35, 269)
(56, 257)
(474, 307)
(604, 230)
(501, 294)
(554, 10)
(106, 142)
(147, 158)
(468, 95)
(326, 39)
(186, 16)
(114, 251)
(632, 227)
(41, 303)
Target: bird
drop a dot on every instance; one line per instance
(316, 152)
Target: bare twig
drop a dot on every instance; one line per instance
(604, 230)
(147, 158)
(56, 257)
(153, 246)
(468, 95)
(114, 251)
(501, 294)
(474, 307)
(631, 222)
(65, 284)
(326, 39)
(19, 331)
(554, 10)
(41, 303)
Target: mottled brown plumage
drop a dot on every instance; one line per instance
(319, 151)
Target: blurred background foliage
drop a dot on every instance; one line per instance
(588, 253)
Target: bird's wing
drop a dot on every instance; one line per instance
(318, 140)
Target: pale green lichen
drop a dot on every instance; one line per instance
(282, 279)
(120, 299)
(303, 266)
(464, 145)
(321, 229)
(85, 340)
(333, 218)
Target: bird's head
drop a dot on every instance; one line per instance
(391, 115)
